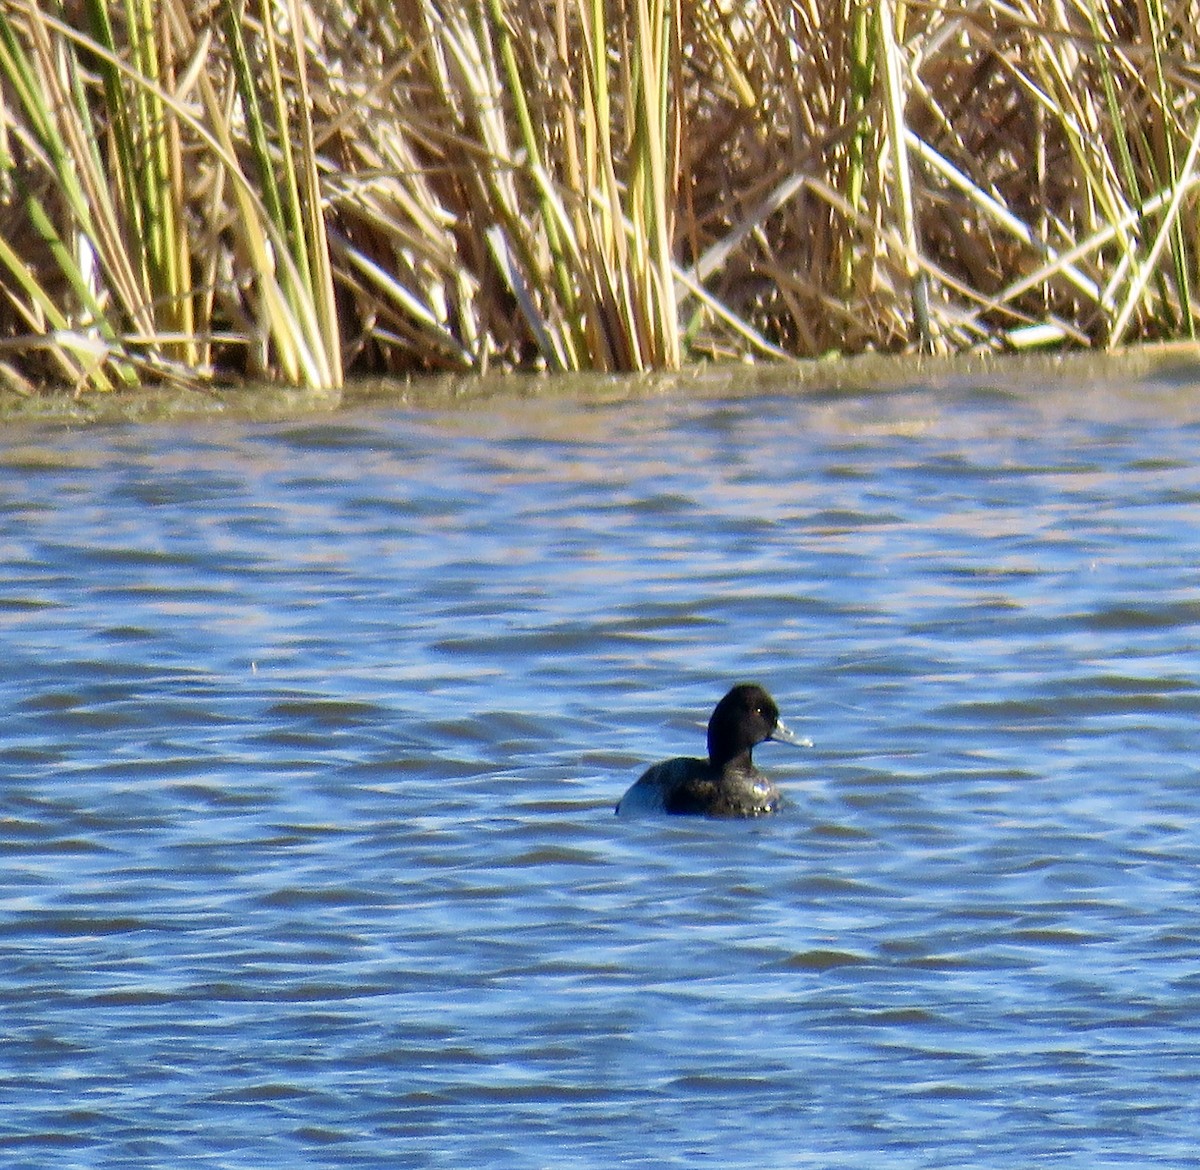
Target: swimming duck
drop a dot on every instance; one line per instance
(727, 784)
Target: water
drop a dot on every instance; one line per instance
(313, 730)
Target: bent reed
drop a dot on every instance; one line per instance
(291, 191)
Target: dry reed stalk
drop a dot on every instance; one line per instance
(293, 191)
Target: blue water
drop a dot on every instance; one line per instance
(313, 731)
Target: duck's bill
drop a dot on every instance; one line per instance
(784, 734)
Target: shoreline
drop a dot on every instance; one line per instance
(1174, 363)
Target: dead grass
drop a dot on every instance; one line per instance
(290, 191)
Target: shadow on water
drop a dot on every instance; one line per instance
(315, 724)
(1157, 369)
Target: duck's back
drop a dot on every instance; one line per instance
(657, 786)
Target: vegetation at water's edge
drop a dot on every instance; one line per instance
(296, 191)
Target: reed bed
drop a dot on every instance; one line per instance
(296, 191)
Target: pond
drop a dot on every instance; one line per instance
(314, 728)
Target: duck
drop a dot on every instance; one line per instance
(727, 784)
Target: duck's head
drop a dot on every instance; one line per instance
(746, 716)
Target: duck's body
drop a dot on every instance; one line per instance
(727, 784)
(690, 786)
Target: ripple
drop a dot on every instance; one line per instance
(824, 960)
(314, 732)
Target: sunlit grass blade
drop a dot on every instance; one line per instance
(300, 299)
(62, 145)
(891, 15)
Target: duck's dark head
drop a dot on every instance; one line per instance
(746, 716)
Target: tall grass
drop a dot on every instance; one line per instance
(276, 189)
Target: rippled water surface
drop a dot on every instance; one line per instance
(313, 731)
